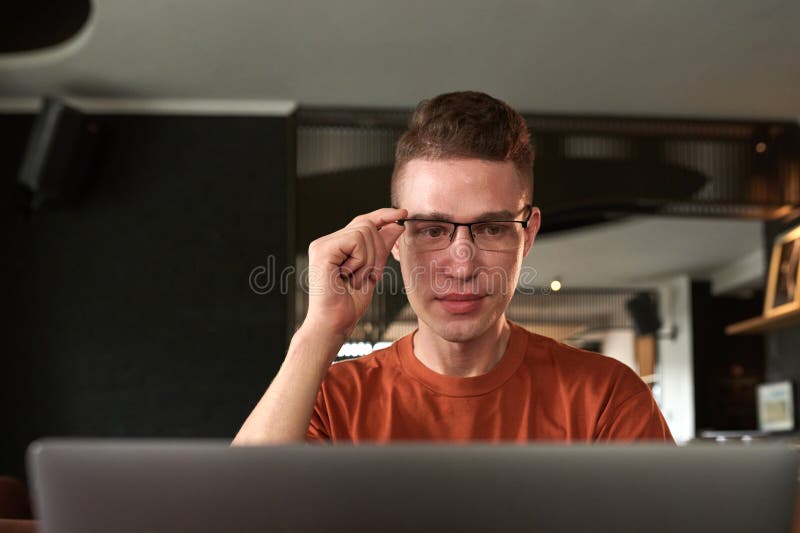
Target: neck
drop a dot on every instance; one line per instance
(462, 359)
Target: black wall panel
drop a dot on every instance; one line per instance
(727, 369)
(132, 313)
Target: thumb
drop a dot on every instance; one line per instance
(390, 233)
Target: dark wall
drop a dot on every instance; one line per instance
(132, 311)
(783, 346)
(726, 368)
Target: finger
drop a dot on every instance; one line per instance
(355, 257)
(380, 248)
(356, 253)
(361, 266)
(381, 254)
(369, 241)
(389, 235)
(362, 275)
(380, 217)
(384, 238)
(378, 220)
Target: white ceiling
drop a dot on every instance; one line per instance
(642, 251)
(722, 58)
(713, 58)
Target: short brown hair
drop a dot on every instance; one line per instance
(466, 124)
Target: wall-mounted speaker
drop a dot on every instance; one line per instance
(643, 310)
(56, 166)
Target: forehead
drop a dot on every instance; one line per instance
(460, 187)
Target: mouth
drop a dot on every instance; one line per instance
(460, 304)
(460, 297)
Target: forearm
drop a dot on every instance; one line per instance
(283, 413)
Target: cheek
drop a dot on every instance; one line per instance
(500, 277)
(424, 274)
(515, 268)
(415, 276)
(421, 274)
(514, 265)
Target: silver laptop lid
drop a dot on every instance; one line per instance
(156, 486)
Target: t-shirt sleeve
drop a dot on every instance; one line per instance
(632, 415)
(318, 427)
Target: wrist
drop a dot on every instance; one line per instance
(322, 342)
(321, 329)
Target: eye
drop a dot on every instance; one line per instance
(491, 229)
(430, 231)
(433, 232)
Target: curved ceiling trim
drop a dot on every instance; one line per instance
(159, 106)
(51, 54)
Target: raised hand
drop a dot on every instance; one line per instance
(344, 268)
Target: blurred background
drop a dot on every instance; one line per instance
(166, 164)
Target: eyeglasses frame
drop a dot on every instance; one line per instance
(469, 225)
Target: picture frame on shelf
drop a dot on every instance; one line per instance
(783, 281)
(775, 402)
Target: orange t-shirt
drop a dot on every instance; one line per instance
(541, 390)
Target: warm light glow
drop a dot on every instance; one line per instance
(358, 349)
(761, 147)
(354, 349)
(555, 285)
(783, 211)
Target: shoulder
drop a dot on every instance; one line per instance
(545, 350)
(378, 366)
(574, 367)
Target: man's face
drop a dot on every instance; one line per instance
(461, 290)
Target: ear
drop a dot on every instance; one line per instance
(396, 250)
(534, 222)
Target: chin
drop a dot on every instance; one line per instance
(457, 328)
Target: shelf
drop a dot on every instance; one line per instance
(761, 324)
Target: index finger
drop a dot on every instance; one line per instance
(381, 217)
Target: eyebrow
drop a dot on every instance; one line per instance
(490, 215)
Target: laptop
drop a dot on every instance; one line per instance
(192, 486)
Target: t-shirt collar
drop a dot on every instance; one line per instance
(469, 386)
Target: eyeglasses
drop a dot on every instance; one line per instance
(427, 235)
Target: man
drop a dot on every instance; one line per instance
(463, 222)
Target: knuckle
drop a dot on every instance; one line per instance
(357, 221)
(314, 246)
(362, 221)
(369, 241)
(359, 236)
(369, 231)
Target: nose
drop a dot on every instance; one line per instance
(462, 248)
(463, 232)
